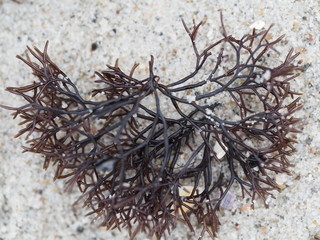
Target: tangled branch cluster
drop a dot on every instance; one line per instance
(142, 170)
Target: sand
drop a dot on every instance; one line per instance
(32, 206)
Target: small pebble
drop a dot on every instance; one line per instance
(94, 46)
(80, 229)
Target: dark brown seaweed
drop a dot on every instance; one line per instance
(132, 163)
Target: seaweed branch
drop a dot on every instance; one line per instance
(139, 169)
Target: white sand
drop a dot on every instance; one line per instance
(32, 206)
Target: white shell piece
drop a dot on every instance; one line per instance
(126, 185)
(227, 201)
(219, 150)
(258, 25)
(256, 169)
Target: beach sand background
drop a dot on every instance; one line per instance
(32, 206)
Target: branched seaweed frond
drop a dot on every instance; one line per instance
(141, 170)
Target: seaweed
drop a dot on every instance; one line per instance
(139, 168)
